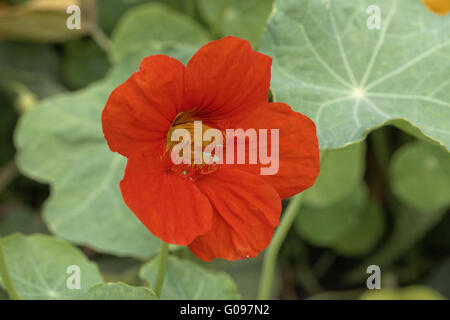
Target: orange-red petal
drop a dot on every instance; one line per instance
(171, 207)
(226, 78)
(139, 112)
(298, 147)
(245, 215)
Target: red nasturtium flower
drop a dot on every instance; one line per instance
(229, 212)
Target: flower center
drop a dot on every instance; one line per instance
(185, 123)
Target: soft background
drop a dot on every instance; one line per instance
(382, 196)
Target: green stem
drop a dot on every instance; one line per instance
(270, 258)
(100, 38)
(94, 29)
(7, 282)
(163, 255)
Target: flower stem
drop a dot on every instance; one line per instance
(7, 282)
(100, 38)
(270, 258)
(163, 255)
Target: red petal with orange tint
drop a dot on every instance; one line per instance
(246, 211)
(139, 112)
(171, 207)
(298, 147)
(226, 78)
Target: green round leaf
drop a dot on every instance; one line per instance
(325, 226)
(38, 267)
(187, 281)
(341, 171)
(119, 291)
(351, 79)
(363, 237)
(420, 176)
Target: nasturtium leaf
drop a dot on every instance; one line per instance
(242, 19)
(84, 62)
(364, 235)
(325, 226)
(35, 66)
(38, 266)
(155, 23)
(186, 280)
(350, 78)
(119, 291)
(341, 171)
(61, 142)
(416, 292)
(420, 176)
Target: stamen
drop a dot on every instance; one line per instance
(203, 164)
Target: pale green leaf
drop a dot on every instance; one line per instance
(325, 226)
(38, 267)
(363, 237)
(119, 291)
(350, 79)
(186, 280)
